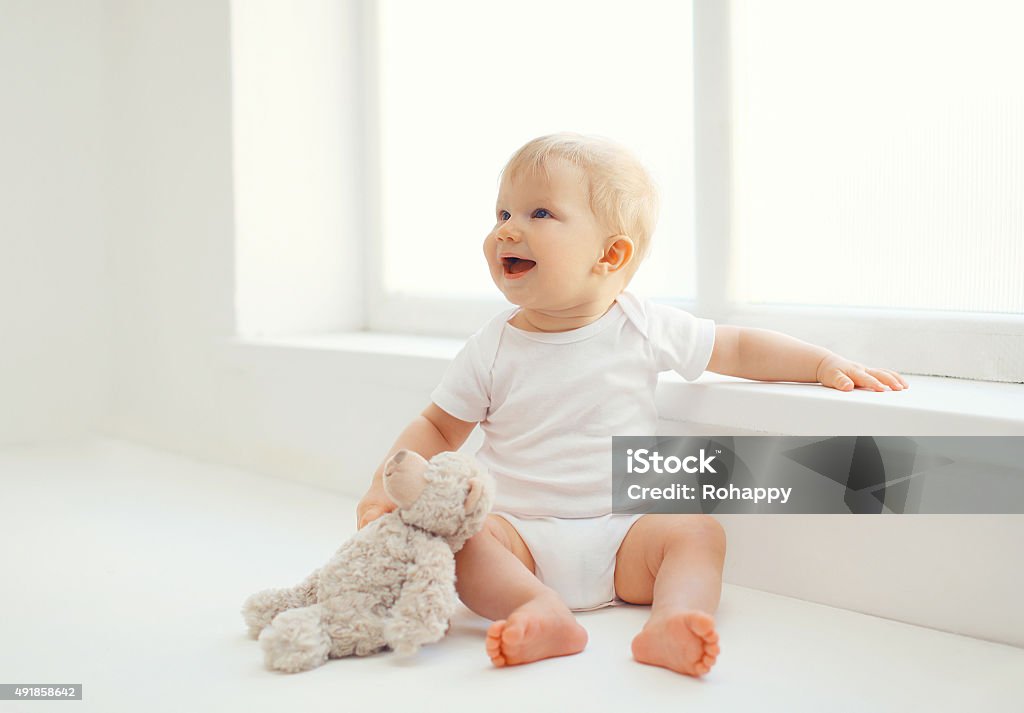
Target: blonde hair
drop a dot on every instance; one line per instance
(622, 194)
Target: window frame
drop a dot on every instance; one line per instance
(914, 342)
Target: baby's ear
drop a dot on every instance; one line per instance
(476, 489)
(618, 252)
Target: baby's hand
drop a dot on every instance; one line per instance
(845, 375)
(374, 504)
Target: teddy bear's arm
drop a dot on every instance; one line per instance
(427, 599)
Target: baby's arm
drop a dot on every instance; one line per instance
(430, 433)
(771, 356)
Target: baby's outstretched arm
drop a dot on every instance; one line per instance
(770, 356)
(433, 431)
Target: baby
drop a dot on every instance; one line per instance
(551, 381)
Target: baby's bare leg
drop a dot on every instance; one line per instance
(674, 561)
(494, 578)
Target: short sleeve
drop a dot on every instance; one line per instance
(681, 342)
(464, 391)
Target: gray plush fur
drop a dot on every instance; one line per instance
(392, 585)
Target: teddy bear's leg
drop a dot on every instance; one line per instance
(353, 626)
(296, 640)
(425, 605)
(261, 608)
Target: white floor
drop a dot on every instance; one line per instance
(124, 569)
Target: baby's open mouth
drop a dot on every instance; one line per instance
(515, 266)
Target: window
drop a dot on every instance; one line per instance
(877, 179)
(462, 84)
(859, 168)
(879, 154)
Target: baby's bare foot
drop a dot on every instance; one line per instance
(540, 629)
(685, 642)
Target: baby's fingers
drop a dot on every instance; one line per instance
(371, 514)
(837, 379)
(863, 377)
(890, 378)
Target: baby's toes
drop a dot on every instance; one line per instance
(494, 643)
(702, 625)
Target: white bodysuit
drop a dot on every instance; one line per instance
(548, 404)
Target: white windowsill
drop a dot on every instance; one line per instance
(933, 406)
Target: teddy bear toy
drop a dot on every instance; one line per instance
(392, 585)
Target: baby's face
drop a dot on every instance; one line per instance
(545, 248)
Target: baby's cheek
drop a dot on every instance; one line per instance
(489, 248)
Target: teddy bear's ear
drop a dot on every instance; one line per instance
(409, 461)
(476, 489)
(394, 460)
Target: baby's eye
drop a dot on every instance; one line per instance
(541, 213)
(503, 215)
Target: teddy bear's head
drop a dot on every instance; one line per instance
(449, 495)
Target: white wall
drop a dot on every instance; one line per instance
(171, 216)
(173, 238)
(53, 326)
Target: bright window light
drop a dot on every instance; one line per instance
(879, 154)
(463, 84)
